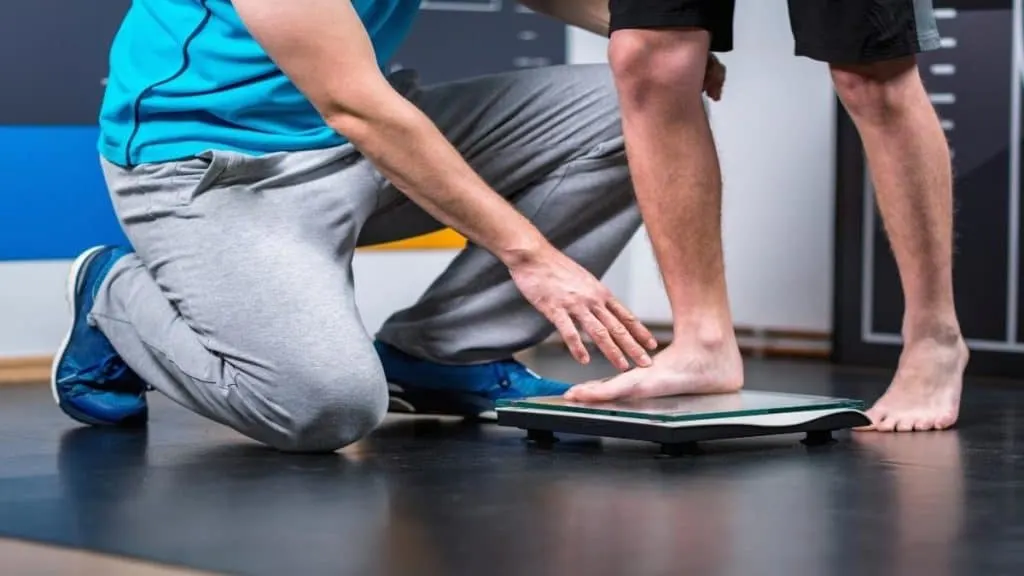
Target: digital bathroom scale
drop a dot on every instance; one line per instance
(679, 422)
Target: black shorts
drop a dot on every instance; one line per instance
(836, 31)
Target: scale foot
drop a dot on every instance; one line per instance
(542, 438)
(680, 449)
(818, 438)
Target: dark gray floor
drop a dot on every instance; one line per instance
(446, 498)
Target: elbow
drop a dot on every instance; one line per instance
(361, 120)
(653, 66)
(355, 128)
(371, 125)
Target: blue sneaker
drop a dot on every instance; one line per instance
(426, 387)
(90, 381)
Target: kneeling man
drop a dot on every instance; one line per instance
(250, 146)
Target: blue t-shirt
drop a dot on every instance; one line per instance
(186, 76)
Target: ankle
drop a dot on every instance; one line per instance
(711, 332)
(942, 332)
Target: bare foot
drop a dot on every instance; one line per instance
(678, 369)
(925, 393)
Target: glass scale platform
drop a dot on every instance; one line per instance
(679, 422)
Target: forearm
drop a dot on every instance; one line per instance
(323, 47)
(417, 159)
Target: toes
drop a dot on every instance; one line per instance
(574, 392)
(913, 420)
(924, 424)
(886, 424)
(867, 427)
(905, 425)
(614, 388)
(945, 422)
(876, 415)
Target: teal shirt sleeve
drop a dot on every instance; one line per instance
(186, 76)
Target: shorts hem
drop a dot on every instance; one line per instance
(649, 20)
(834, 55)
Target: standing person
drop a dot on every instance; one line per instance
(658, 53)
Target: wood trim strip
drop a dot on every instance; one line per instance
(36, 369)
(21, 557)
(25, 370)
(755, 342)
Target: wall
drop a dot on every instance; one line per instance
(32, 310)
(775, 133)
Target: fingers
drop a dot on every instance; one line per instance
(572, 297)
(617, 333)
(635, 327)
(601, 334)
(623, 338)
(714, 78)
(713, 86)
(567, 329)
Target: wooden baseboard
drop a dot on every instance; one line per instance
(25, 370)
(21, 557)
(758, 343)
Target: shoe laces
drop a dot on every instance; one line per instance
(507, 372)
(110, 370)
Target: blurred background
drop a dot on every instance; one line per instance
(809, 271)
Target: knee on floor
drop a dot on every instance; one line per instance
(650, 64)
(327, 409)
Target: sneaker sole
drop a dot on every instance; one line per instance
(71, 289)
(439, 403)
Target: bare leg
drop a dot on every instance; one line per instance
(910, 166)
(659, 75)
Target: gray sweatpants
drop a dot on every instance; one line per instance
(238, 302)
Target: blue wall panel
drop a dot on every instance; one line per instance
(53, 203)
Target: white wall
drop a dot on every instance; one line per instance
(33, 314)
(776, 136)
(32, 310)
(776, 133)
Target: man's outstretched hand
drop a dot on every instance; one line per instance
(570, 296)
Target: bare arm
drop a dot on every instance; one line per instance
(322, 46)
(324, 49)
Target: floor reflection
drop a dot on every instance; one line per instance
(440, 496)
(924, 476)
(223, 503)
